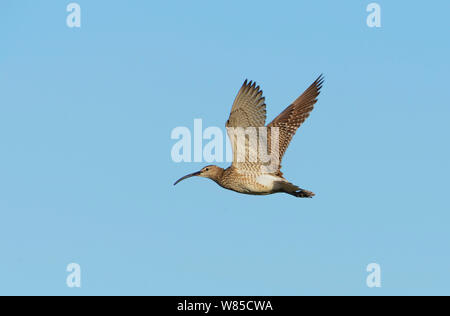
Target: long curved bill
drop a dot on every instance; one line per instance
(187, 176)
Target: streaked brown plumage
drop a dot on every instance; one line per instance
(249, 111)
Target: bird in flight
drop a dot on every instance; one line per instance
(257, 176)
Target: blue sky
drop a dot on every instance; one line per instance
(86, 173)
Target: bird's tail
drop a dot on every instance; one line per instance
(294, 190)
(302, 193)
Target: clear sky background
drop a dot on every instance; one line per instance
(86, 173)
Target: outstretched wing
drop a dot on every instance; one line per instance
(294, 115)
(249, 107)
(248, 110)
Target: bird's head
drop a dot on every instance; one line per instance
(212, 172)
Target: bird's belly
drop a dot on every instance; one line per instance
(259, 185)
(270, 182)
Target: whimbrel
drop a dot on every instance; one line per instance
(249, 110)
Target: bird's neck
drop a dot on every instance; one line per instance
(218, 176)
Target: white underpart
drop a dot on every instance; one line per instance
(271, 182)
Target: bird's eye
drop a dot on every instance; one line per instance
(206, 169)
